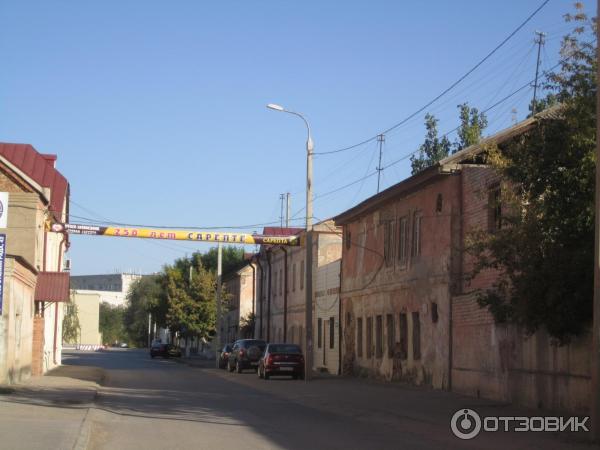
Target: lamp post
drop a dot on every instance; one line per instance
(309, 212)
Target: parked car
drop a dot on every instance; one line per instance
(165, 350)
(224, 356)
(245, 354)
(282, 359)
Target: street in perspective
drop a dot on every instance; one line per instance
(350, 225)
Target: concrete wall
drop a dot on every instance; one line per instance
(409, 296)
(88, 313)
(16, 322)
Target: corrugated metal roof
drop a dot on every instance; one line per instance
(41, 169)
(52, 287)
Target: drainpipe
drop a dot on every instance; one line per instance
(253, 285)
(55, 347)
(341, 318)
(262, 287)
(269, 298)
(285, 293)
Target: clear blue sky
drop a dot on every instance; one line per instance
(157, 109)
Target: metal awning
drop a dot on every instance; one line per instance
(52, 287)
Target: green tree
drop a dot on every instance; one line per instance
(433, 149)
(112, 324)
(70, 326)
(191, 303)
(545, 245)
(472, 124)
(144, 297)
(233, 259)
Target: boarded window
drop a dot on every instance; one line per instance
(403, 240)
(416, 335)
(369, 337)
(388, 242)
(389, 325)
(403, 336)
(301, 275)
(416, 243)
(359, 337)
(379, 336)
(494, 208)
(331, 332)
(319, 332)
(439, 203)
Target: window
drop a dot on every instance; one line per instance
(403, 336)
(319, 332)
(300, 336)
(389, 325)
(280, 281)
(274, 284)
(301, 275)
(331, 332)
(434, 312)
(416, 335)
(369, 337)
(403, 240)
(439, 203)
(294, 277)
(388, 242)
(348, 319)
(359, 337)
(416, 248)
(348, 240)
(494, 208)
(379, 337)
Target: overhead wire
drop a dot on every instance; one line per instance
(445, 91)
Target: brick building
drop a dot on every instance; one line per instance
(282, 299)
(34, 281)
(411, 315)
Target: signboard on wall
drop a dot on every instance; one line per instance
(3, 209)
(2, 256)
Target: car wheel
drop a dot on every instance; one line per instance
(229, 367)
(238, 367)
(266, 375)
(259, 373)
(152, 356)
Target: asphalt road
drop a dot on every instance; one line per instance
(162, 404)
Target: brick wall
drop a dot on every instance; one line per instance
(37, 361)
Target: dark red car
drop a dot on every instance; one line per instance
(281, 359)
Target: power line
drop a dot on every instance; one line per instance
(452, 86)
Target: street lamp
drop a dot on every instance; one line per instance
(309, 212)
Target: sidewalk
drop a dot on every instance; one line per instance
(49, 409)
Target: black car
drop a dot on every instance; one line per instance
(282, 359)
(165, 350)
(224, 355)
(245, 354)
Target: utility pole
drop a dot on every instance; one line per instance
(149, 330)
(539, 40)
(281, 198)
(381, 140)
(309, 253)
(595, 391)
(287, 211)
(219, 273)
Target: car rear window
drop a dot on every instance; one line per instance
(255, 343)
(284, 348)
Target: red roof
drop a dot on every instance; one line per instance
(41, 169)
(278, 231)
(52, 287)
